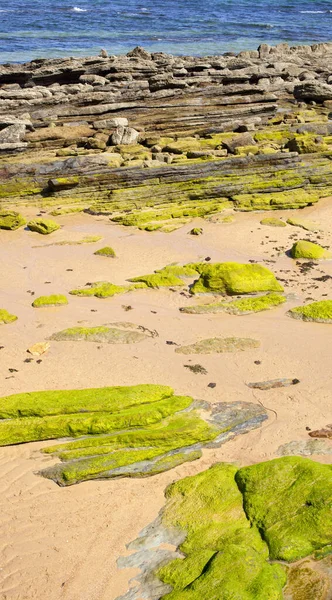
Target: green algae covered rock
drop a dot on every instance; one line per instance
(231, 525)
(225, 557)
(43, 226)
(6, 317)
(168, 276)
(10, 219)
(104, 289)
(235, 278)
(320, 312)
(219, 345)
(107, 251)
(120, 333)
(244, 306)
(303, 223)
(54, 300)
(304, 249)
(273, 222)
(290, 501)
(306, 144)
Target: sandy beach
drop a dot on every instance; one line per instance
(63, 543)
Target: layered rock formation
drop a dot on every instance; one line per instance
(185, 136)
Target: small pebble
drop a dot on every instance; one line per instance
(212, 385)
(39, 361)
(257, 362)
(169, 343)
(207, 258)
(308, 428)
(13, 370)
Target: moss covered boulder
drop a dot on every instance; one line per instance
(10, 219)
(53, 300)
(320, 312)
(305, 249)
(243, 306)
(231, 527)
(290, 500)
(107, 251)
(6, 317)
(234, 278)
(43, 226)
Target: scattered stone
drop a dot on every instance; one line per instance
(303, 223)
(39, 348)
(305, 448)
(273, 222)
(319, 312)
(322, 433)
(196, 231)
(305, 249)
(212, 385)
(43, 226)
(273, 383)
(219, 345)
(10, 219)
(6, 317)
(53, 300)
(107, 251)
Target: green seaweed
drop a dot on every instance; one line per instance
(104, 289)
(53, 300)
(273, 222)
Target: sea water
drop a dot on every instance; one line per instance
(54, 28)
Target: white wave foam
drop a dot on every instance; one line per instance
(78, 9)
(313, 12)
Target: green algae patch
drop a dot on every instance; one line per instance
(107, 251)
(168, 276)
(303, 223)
(104, 289)
(60, 402)
(273, 222)
(53, 300)
(43, 226)
(88, 239)
(120, 333)
(6, 317)
(88, 421)
(290, 500)
(235, 278)
(319, 312)
(305, 249)
(10, 219)
(225, 556)
(244, 306)
(218, 346)
(295, 198)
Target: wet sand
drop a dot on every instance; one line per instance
(63, 543)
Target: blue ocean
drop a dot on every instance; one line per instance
(54, 28)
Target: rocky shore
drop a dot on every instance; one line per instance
(153, 140)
